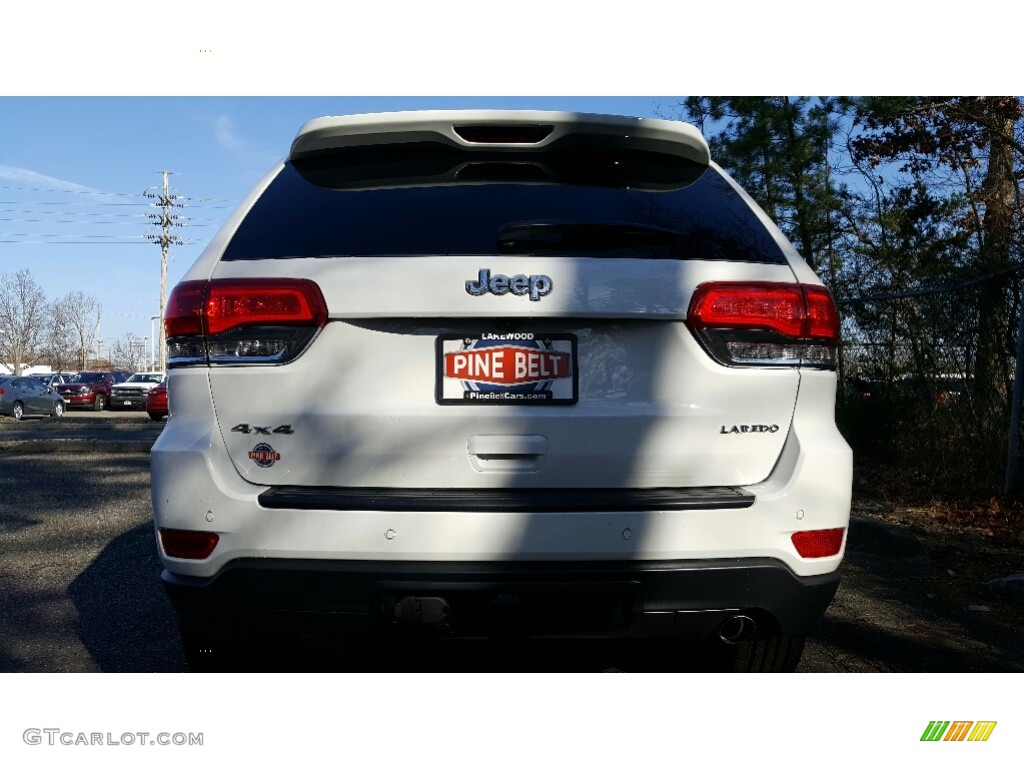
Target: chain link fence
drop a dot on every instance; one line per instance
(927, 380)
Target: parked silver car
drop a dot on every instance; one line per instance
(22, 396)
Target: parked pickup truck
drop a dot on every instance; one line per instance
(133, 392)
(90, 389)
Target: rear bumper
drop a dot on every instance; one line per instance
(77, 400)
(134, 403)
(688, 599)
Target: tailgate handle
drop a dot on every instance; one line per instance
(507, 453)
(507, 446)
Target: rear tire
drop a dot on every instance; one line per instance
(99, 402)
(18, 411)
(58, 409)
(156, 417)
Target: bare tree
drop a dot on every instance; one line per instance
(81, 314)
(58, 346)
(23, 317)
(129, 352)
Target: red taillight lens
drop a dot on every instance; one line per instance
(258, 320)
(762, 306)
(822, 317)
(765, 323)
(233, 303)
(184, 313)
(825, 543)
(188, 545)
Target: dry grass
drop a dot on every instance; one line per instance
(911, 498)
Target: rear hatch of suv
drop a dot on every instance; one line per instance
(494, 303)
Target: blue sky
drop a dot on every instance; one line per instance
(73, 169)
(116, 140)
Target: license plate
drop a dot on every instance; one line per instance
(507, 369)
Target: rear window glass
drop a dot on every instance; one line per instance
(323, 207)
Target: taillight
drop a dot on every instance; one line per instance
(188, 545)
(766, 323)
(242, 321)
(825, 543)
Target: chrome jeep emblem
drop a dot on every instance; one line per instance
(520, 285)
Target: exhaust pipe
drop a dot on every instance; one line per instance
(737, 629)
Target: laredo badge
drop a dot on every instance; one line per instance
(263, 455)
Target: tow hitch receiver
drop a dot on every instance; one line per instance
(422, 610)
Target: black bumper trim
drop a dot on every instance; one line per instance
(505, 500)
(680, 598)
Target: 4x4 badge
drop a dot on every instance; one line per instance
(520, 285)
(246, 429)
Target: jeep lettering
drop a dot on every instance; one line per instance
(520, 285)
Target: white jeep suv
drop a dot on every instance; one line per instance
(484, 371)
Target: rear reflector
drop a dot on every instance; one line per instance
(825, 543)
(760, 323)
(188, 545)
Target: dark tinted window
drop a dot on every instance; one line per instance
(325, 209)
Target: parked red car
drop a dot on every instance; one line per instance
(156, 401)
(91, 389)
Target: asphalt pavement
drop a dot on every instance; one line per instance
(81, 432)
(80, 587)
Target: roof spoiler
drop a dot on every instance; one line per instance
(500, 131)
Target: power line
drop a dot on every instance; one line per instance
(105, 215)
(73, 213)
(39, 234)
(50, 202)
(121, 194)
(65, 221)
(933, 290)
(97, 205)
(74, 242)
(72, 221)
(69, 191)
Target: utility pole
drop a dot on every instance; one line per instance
(167, 220)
